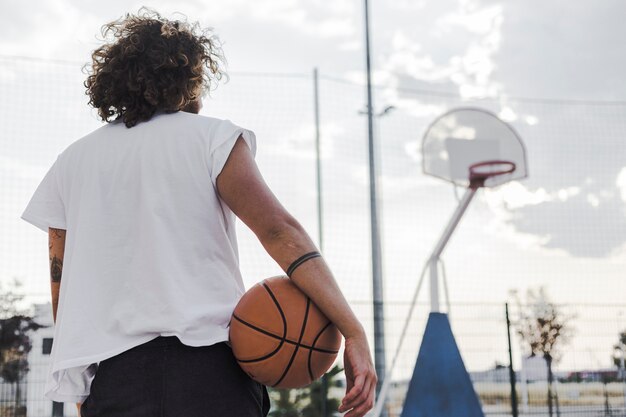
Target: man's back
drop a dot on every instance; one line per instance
(150, 247)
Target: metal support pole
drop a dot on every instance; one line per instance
(443, 240)
(320, 223)
(511, 371)
(318, 161)
(377, 284)
(623, 365)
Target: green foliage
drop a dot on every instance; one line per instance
(308, 401)
(14, 339)
(544, 327)
(316, 395)
(286, 402)
(619, 351)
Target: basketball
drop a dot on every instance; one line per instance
(279, 337)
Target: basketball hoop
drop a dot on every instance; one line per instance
(480, 171)
(463, 137)
(473, 148)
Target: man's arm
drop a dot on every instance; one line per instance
(56, 249)
(242, 187)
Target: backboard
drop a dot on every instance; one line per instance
(467, 136)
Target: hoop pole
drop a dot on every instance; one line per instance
(433, 261)
(445, 286)
(432, 264)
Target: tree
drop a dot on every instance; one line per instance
(14, 339)
(286, 402)
(619, 353)
(545, 328)
(307, 401)
(316, 406)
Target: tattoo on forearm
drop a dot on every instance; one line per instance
(56, 269)
(58, 233)
(56, 248)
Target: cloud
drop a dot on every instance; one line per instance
(620, 182)
(514, 195)
(465, 65)
(42, 31)
(263, 35)
(16, 168)
(570, 227)
(562, 49)
(319, 19)
(299, 142)
(577, 220)
(432, 56)
(479, 20)
(488, 48)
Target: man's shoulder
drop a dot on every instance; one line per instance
(198, 118)
(208, 125)
(87, 138)
(190, 120)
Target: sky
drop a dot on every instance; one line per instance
(553, 70)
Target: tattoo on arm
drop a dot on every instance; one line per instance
(56, 249)
(57, 233)
(56, 268)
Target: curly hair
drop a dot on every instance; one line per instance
(151, 63)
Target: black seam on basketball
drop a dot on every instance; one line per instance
(295, 351)
(273, 336)
(280, 310)
(269, 355)
(313, 348)
(282, 339)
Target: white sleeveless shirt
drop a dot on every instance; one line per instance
(150, 247)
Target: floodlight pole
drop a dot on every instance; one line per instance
(433, 261)
(377, 280)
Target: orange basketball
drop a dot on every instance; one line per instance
(279, 336)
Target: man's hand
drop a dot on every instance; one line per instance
(360, 377)
(78, 408)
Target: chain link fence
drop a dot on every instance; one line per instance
(562, 228)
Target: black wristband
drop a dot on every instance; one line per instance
(300, 261)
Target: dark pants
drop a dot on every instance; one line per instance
(166, 378)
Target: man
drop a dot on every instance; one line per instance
(143, 252)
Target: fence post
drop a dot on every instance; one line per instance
(511, 371)
(320, 223)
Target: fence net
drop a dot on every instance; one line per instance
(562, 228)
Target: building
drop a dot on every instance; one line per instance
(39, 361)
